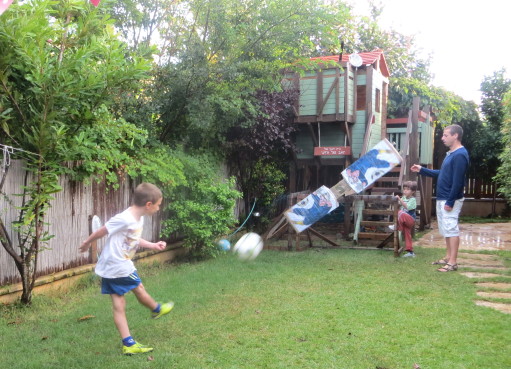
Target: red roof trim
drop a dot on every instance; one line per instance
(367, 58)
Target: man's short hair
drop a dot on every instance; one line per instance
(146, 192)
(456, 129)
(412, 185)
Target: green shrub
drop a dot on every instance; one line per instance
(202, 207)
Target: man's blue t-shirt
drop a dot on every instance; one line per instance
(450, 176)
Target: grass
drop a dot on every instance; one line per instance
(497, 219)
(351, 309)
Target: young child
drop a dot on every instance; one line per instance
(117, 271)
(406, 215)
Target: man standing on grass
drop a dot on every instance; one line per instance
(449, 193)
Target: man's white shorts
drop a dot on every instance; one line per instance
(448, 220)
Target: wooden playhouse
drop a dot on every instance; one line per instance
(341, 113)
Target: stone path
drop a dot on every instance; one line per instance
(495, 295)
(493, 277)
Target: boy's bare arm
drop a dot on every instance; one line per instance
(93, 236)
(160, 245)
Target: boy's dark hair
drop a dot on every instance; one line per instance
(146, 192)
(456, 129)
(412, 185)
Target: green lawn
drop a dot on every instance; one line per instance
(352, 309)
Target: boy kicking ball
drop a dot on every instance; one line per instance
(117, 271)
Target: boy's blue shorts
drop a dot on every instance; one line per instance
(120, 286)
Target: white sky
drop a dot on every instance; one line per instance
(468, 39)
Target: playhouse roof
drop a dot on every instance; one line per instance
(368, 58)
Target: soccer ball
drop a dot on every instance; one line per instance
(248, 246)
(224, 245)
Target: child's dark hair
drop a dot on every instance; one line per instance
(146, 192)
(412, 185)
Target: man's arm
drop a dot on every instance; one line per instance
(425, 171)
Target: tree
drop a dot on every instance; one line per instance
(489, 145)
(503, 176)
(259, 148)
(493, 89)
(61, 67)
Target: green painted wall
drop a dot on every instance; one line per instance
(425, 140)
(331, 134)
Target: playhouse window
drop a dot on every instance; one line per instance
(361, 97)
(377, 100)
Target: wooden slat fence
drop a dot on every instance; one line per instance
(68, 220)
(479, 188)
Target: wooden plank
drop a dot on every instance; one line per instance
(326, 239)
(375, 223)
(325, 100)
(386, 241)
(413, 146)
(372, 235)
(389, 179)
(326, 118)
(386, 199)
(319, 95)
(378, 211)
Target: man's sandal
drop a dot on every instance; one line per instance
(440, 262)
(448, 268)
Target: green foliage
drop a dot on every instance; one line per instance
(503, 176)
(215, 55)
(493, 89)
(266, 185)
(201, 208)
(62, 66)
(401, 51)
(107, 149)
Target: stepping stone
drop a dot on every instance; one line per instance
(494, 285)
(495, 295)
(465, 255)
(482, 263)
(503, 308)
(483, 275)
(481, 267)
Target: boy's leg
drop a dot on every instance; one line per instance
(144, 298)
(119, 311)
(405, 224)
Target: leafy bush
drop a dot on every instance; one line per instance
(201, 208)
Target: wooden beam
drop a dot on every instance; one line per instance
(414, 139)
(326, 239)
(319, 94)
(338, 76)
(334, 84)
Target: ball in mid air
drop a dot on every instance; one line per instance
(249, 246)
(224, 245)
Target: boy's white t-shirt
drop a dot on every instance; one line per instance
(124, 233)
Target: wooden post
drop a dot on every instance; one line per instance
(395, 206)
(347, 218)
(413, 145)
(93, 251)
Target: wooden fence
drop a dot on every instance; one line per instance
(479, 188)
(68, 220)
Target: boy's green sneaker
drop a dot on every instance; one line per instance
(137, 348)
(164, 309)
